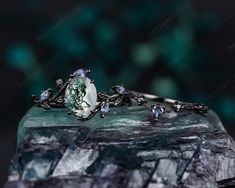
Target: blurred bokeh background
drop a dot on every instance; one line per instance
(179, 49)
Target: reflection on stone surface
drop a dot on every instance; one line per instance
(126, 149)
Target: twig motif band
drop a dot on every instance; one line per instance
(78, 94)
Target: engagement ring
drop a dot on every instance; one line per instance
(78, 94)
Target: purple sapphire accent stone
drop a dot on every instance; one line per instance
(104, 109)
(44, 95)
(120, 89)
(157, 110)
(80, 73)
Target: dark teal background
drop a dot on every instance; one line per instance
(179, 49)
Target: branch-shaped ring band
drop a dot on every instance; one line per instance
(78, 94)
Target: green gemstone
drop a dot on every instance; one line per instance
(81, 97)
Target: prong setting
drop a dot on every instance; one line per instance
(119, 96)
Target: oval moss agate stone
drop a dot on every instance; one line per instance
(80, 97)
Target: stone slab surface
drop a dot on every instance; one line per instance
(126, 149)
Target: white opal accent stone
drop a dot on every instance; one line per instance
(81, 97)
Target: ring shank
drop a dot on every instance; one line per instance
(158, 99)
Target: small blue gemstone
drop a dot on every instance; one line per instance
(80, 73)
(104, 109)
(120, 89)
(157, 110)
(44, 96)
